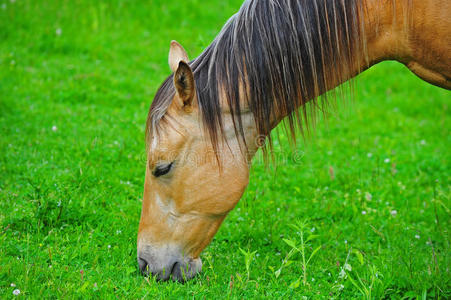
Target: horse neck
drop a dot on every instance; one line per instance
(384, 38)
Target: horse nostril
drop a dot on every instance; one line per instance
(177, 273)
(142, 265)
(174, 267)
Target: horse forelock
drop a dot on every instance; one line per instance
(280, 53)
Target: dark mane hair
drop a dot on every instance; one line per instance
(283, 53)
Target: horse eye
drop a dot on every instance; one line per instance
(162, 169)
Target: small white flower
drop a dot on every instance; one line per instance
(347, 267)
(346, 241)
(278, 209)
(54, 128)
(369, 155)
(363, 212)
(13, 285)
(313, 229)
(368, 196)
(341, 287)
(342, 274)
(118, 231)
(387, 160)
(417, 236)
(109, 246)
(313, 279)
(329, 274)
(16, 292)
(58, 31)
(394, 212)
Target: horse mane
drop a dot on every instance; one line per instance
(283, 53)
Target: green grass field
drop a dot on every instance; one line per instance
(76, 82)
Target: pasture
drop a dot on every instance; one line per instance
(367, 192)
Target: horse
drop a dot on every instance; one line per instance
(210, 116)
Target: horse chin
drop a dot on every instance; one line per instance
(168, 263)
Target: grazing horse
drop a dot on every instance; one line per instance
(272, 57)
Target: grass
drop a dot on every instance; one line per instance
(76, 81)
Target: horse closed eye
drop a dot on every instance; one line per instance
(162, 170)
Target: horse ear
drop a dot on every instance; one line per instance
(184, 84)
(176, 54)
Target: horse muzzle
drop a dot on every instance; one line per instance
(167, 262)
